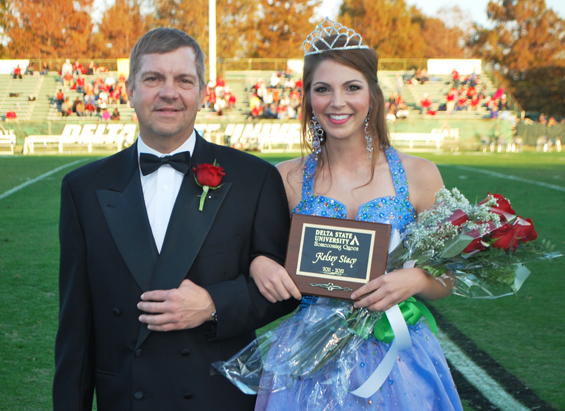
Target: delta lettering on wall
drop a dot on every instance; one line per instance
(334, 257)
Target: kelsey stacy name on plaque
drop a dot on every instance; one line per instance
(333, 257)
(331, 252)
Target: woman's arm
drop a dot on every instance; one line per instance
(270, 277)
(424, 180)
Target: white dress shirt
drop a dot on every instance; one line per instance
(160, 189)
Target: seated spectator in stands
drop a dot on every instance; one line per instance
(91, 68)
(391, 115)
(98, 81)
(256, 112)
(421, 75)
(114, 96)
(542, 119)
(44, 68)
(392, 102)
(503, 103)
(552, 122)
(287, 72)
(90, 108)
(472, 92)
(494, 111)
(294, 97)
(105, 115)
(261, 89)
(456, 79)
(29, 69)
(11, 115)
(102, 98)
(211, 97)
(461, 103)
(291, 112)
(66, 107)
(268, 97)
(124, 99)
(220, 84)
(80, 109)
(75, 104)
(426, 103)
(18, 72)
(474, 103)
(77, 68)
(473, 79)
(110, 82)
(220, 105)
(402, 109)
(254, 101)
(499, 93)
(67, 79)
(115, 114)
(67, 67)
(451, 98)
(299, 85)
(270, 112)
(80, 84)
(275, 80)
(281, 111)
(60, 98)
(230, 99)
(122, 78)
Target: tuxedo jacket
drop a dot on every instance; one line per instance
(109, 258)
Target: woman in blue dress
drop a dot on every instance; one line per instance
(354, 173)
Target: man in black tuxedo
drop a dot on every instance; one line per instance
(152, 290)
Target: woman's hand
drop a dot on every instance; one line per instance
(272, 280)
(388, 290)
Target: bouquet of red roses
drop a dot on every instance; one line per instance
(481, 247)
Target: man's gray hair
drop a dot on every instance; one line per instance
(164, 40)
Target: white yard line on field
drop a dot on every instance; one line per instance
(483, 382)
(36, 179)
(508, 177)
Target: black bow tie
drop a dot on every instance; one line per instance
(150, 163)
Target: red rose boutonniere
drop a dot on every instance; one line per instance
(208, 176)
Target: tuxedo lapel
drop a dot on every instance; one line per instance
(123, 206)
(187, 227)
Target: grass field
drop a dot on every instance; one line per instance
(524, 334)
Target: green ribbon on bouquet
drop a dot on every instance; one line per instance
(412, 310)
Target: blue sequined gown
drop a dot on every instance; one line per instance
(420, 379)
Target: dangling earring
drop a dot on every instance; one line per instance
(315, 136)
(368, 136)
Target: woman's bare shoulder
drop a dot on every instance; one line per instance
(424, 180)
(291, 173)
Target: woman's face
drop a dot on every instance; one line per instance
(340, 99)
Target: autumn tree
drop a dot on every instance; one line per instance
(233, 22)
(527, 46)
(446, 35)
(122, 25)
(47, 28)
(282, 26)
(385, 25)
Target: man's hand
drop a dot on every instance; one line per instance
(178, 309)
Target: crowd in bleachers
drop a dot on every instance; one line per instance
(219, 97)
(278, 99)
(97, 94)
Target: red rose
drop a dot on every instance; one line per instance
(476, 244)
(525, 230)
(504, 237)
(208, 175)
(502, 208)
(458, 217)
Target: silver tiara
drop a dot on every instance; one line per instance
(324, 30)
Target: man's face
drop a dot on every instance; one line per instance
(166, 97)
